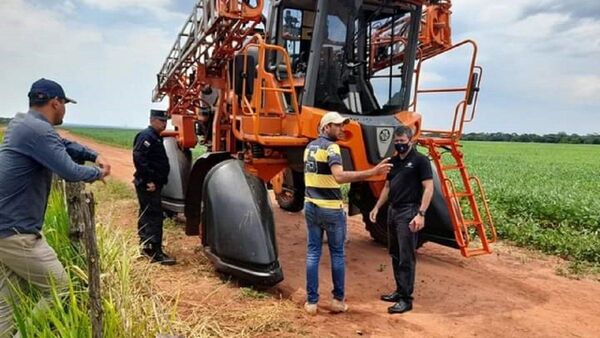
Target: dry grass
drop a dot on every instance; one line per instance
(190, 299)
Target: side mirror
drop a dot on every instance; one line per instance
(473, 88)
(248, 76)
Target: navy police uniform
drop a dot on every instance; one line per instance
(151, 166)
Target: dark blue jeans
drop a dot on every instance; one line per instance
(332, 221)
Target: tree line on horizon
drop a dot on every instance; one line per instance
(561, 137)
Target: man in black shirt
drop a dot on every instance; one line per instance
(151, 174)
(409, 188)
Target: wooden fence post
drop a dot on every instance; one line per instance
(81, 216)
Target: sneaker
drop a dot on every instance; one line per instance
(311, 309)
(338, 306)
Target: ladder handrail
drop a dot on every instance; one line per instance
(462, 105)
(461, 226)
(486, 208)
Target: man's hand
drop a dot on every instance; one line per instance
(383, 168)
(417, 223)
(103, 164)
(373, 214)
(151, 187)
(103, 173)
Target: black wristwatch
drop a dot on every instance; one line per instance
(422, 213)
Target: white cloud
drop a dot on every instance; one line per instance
(158, 8)
(110, 71)
(540, 59)
(120, 4)
(584, 89)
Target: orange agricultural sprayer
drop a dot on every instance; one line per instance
(251, 84)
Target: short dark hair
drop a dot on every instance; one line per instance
(403, 130)
(38, 102)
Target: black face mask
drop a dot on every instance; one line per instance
(402, 147)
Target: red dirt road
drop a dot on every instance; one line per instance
(511, 293)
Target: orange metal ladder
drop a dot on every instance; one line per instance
(469, 212)
(477, 216)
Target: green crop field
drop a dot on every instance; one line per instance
(542, 195)
(122, 138)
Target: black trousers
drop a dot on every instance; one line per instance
(402, 247)
(150, 217)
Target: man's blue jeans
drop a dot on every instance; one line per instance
(332, 221)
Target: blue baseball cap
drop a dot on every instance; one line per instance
(44, 90)
(159, 114)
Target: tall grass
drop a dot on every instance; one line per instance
(130, 308)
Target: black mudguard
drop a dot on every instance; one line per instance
(179, 163)
(193, 196)
(438, 226)
(238, 229)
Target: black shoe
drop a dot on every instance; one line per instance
(157, 256)
(400, 307)
(163, 259)
(392, 297)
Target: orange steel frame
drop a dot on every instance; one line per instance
(435, 36)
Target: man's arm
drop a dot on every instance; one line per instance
(418, 222)
(342, 176)
(79, 153)
(427, 194)
(383, 197)
(51, 153)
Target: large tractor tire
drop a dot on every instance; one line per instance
(379, 229)
(291, 197)
(438, 226)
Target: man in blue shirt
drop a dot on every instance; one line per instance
(31, 151)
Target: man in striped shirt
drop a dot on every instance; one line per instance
(324, 209)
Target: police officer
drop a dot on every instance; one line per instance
(151, 173)
(409, 187)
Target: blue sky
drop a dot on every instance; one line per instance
(540, 57)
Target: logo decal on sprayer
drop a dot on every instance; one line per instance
(384, 138)
(384, 135)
